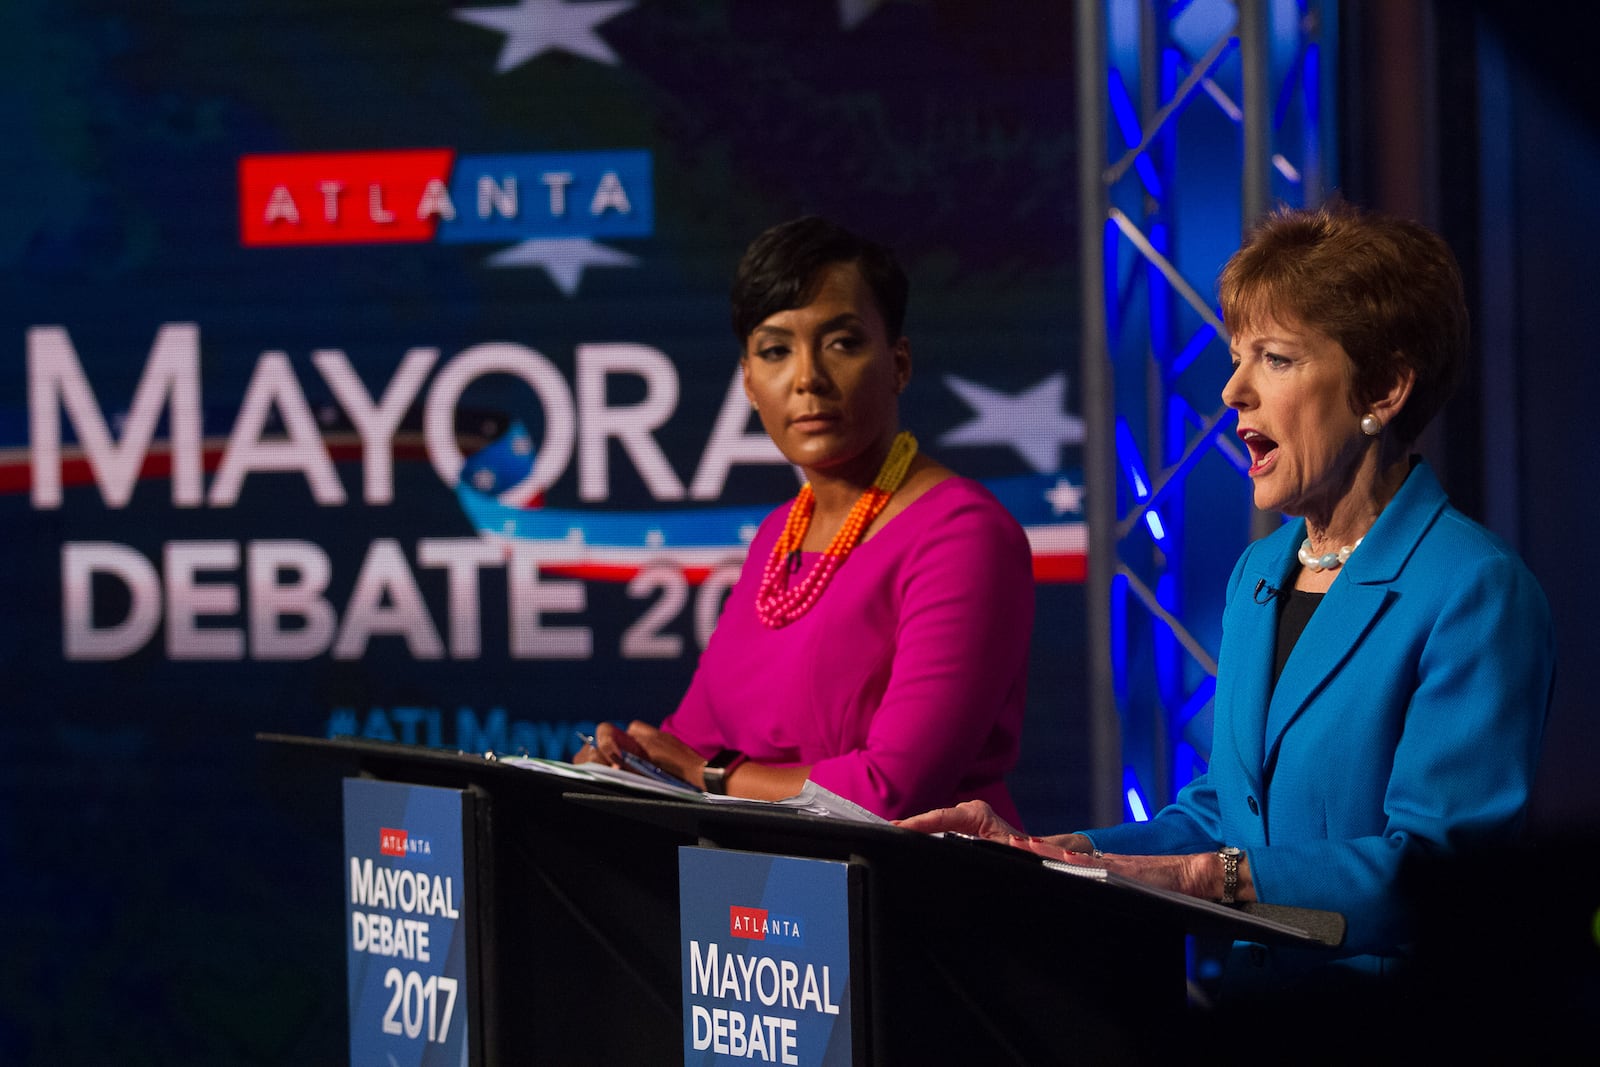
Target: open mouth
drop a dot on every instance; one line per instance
(1263, 449)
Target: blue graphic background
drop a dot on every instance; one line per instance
(181, 903)
(435, 816)
(584, 173)
(814, 891)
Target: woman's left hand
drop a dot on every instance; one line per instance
(1181, 874)
(668, 752)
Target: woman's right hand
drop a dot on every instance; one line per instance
(608, 744)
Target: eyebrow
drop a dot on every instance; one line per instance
(1269, 341)
(847, 318)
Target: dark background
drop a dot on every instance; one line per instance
(170, 903)
(1485, 119)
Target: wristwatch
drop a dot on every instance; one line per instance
(1230, 872)
(718, 768)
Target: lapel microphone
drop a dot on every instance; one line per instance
(1262, 586)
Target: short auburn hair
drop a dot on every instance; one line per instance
(1387, 289)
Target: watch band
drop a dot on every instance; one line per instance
(1230, 872)
(718, 768)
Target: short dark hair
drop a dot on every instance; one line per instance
(1386, 288)
(782, 267)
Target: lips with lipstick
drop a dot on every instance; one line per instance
(813, 421)
(1263, 450)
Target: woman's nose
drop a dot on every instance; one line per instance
(810, 374)
(1236, 390)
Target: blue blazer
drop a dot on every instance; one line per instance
(1407, 719)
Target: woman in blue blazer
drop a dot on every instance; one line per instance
(1386, 663)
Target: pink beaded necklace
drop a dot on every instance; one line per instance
(777, 603)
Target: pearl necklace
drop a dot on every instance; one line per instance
(778, 604)
(1328, 562)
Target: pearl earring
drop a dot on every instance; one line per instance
(1370, 425)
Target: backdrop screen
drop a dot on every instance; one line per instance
(368, 372)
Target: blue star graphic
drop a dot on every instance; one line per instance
(534, 27)
(1033, 423)
(563, 258)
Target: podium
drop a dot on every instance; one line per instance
(972, 951)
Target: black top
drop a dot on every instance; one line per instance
(1293, 613)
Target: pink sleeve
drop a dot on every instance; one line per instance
(693, 722)
(950, 721)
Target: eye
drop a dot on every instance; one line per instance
(1275, 361)
(772, 351)
(847, 342)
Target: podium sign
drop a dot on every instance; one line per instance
(768, 944)
(408, 924)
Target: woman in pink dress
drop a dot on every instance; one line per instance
(876, 641)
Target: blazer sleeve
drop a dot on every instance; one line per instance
(1463, 766)
(1192, 822)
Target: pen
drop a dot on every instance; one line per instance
(642, 766)
(660, 774)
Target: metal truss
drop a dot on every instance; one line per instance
(1197, 117)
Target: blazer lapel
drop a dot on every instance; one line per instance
(1333, 635)
(1252, 624)
(1351, 607)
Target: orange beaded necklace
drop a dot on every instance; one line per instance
(778, 604)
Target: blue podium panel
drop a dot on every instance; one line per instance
(407, 913)
(768, 944)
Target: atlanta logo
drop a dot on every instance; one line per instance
(551, 208)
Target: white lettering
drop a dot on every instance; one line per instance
(375, 209)
(629, 426)
(531, 597)
(767, 991)
(435, 200)
(330, 199)
(557, 181)
(56, 380)
(376, 423)
(610, 196)
(81, 638)
(494, 197)
(188, 599)
(439, 428)
(287, 580)
(730, 444)
(281, 207)
(702, 969)
(462, 559)
(273, 386)
(386, 600)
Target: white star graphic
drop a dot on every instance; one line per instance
(534, 27)
(1033, 423)
(563, 258)
(853, 12)
(1064, 497)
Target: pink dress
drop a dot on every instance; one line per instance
(903, 687)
